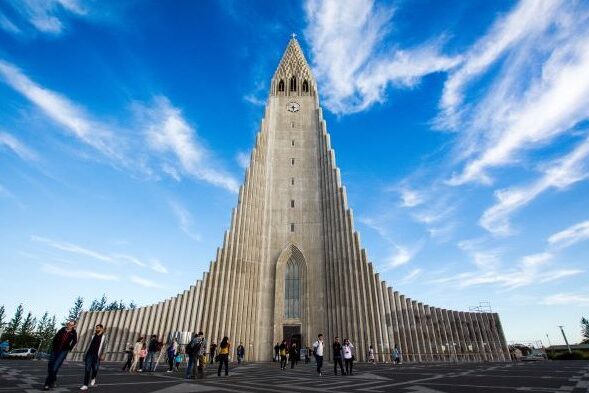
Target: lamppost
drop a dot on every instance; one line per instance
(565, 338)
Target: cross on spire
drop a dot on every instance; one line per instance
(293, 35)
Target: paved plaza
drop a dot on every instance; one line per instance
(570, 376)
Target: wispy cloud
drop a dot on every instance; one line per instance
(115, 259)
(81, 274)
(170, 135)
(243, 159)
(145, 282)
(540, 92)
(184, 219)
(346, 39)
(569, 299)
(46, 16)
(574, 234)
(566, 171)
(63, 111)
(7, 25)
(411, 276)
(410, 197)
(17, 147)
(402, 255)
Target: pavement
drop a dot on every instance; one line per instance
(542, 376)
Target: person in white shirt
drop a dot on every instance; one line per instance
(347, 350)
(318, 351)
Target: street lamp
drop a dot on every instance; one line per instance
(565, 338)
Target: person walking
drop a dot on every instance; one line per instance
(293, 354)
(276, 352)
(149, 363)
(371, 355)
(63, 342)
(142, 356)
(283, 351)
(202, 356)
(318, 351)
(337, 356)
(224, 349)
(136, 354)
(212, 353)
(240, 352)
(94, 354)
(348, 353)
(396, 355)
(193, 350)
(171, 352)
(129, 361)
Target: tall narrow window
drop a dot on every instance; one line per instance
(292, 227)
(281, 85)
(292, 161)
(292, 142)
(292, 181)
(292, 290)
(293, 84)
(292, 203)
(305, 86)
(292, 124)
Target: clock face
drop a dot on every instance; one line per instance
(293, 107)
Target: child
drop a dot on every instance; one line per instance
(142, 355)
(179, 359)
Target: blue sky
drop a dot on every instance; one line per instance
(461, 130)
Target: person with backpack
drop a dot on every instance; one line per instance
(347, 351)
(318, 351)
(293, 354)
(224, 349)
(193, 350)
(171, 352)
(240, 352)
(151, 351)
(94, 355)
(337, 356)
(283, 350)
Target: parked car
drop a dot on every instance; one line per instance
(534, 356)
(21, 353)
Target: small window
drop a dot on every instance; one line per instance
(293, 84)
(292, 161)
(305, 87)
(292, 124)
(292, 227)
(292, 142)
(292, 203)
(292, 181)
(281, 85)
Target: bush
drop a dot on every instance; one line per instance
(576, 355)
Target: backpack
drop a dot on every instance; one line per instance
(193, 348)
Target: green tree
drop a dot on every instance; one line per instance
(132, 305)
(585, 330)
(98, 305)
(14, 324)
(25, 335)
(76, 310)
(113, 306)
(45, 331)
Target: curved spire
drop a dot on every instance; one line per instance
(293, 62)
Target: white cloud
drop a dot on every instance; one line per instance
(7, 25)
(184, 219)
(402, 255)
(574, 234)
(168, 133)
(145, 282)
(540, 92)
(411, 198)
(346, 40)
(530, 270)
(73, 248)
(569, 299)
(17, 147)
(567, 170)
(158, 267)
(243, 159)
(81, 274)
(62, 111)
(47, 16)
(411, 276)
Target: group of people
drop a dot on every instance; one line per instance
(341, 351)
(64, 341)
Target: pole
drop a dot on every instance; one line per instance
(565, 338)
(549, 343)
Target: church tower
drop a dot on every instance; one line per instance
(291, 264)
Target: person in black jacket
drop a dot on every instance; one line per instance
(337, 356)
(94, 355)
(63, 342)
(293, 354)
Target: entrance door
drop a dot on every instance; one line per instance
(292, 333)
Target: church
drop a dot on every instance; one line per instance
(292, 265)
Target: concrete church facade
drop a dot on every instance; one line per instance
(292, 266)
